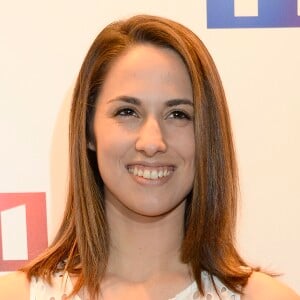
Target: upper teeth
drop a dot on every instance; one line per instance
(149, 173)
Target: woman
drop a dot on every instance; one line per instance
(152, 193)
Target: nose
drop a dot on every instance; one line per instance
(150, 138)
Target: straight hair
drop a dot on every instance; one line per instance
(81, 246)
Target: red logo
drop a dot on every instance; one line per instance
(23, 228)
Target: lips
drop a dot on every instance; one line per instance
(149, 172)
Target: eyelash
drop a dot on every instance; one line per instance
(178, 114)
(126, 112)
(129, 112)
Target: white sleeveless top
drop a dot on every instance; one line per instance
(62, 286)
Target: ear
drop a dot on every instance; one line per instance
(91, 146)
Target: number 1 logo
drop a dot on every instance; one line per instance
(23, 228)
(262, 13)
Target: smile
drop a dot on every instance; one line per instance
(152, 173)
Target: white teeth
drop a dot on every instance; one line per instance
(149, 174)
(140, 173)
(146, 174)
(154, 174)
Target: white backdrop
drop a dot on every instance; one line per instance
(43, 44)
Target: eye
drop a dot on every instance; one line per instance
(126, 112)
(181, 115)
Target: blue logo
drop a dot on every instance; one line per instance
(271, 13)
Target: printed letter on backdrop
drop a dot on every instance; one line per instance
(23, 228)
(252, 13)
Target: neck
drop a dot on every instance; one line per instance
(143, 247)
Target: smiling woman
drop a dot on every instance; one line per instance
(152, 193)
(147, 159)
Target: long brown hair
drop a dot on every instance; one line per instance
(82, 241)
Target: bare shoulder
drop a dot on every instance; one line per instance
(261, 287)
(14, 286)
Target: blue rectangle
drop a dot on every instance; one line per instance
(271, 13)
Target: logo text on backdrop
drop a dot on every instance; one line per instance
(23, 228)
(270, 13)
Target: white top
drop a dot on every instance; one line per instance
(62, 285)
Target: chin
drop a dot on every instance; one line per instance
(157, 212)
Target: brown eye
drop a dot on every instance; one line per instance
(177, 114)
(126, 112)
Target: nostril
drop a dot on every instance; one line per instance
(150, 139)
(151, 147)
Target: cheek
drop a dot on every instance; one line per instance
(108, 161)
(184, 143)
(112, 144)
(105, 147)
(106, 135)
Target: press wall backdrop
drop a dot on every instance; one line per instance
(256, 46)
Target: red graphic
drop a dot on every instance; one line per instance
(36, 221)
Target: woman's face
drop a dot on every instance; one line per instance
(143, 129)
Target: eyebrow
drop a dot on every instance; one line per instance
(137, 102)
(175, 102)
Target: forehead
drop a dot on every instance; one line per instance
(147, 69)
